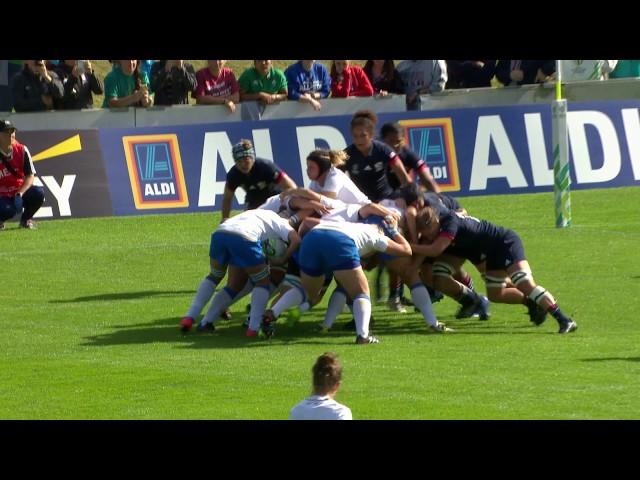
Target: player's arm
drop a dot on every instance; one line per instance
(397, 245)
(294, 243)
(226, 202)
(434, 249)
(427, 179)
(398, 169)
(410, 215)
(376, 209)
(285, 182)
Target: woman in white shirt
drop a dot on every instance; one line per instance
(327, 377)
(328, 180)
(237, 244)
(336, 248)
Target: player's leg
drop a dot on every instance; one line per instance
(357, 287)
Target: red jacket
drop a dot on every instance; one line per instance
(355, 83)
(10, 183)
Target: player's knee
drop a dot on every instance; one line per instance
(442, 269)
(260, 277)
(519, 277)
(541, 296)
(216, 275)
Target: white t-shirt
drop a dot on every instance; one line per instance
(343, 213)
(316, 407)
(575, 70)
(272, 203)
(339, 183)
(366, 237)
(257, 225)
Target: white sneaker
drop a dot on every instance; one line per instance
(395, 305)
(440, 328)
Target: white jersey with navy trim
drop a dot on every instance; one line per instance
(339, 183)
(273, 203)
(257, 225)
(318, 407)
(367, 237)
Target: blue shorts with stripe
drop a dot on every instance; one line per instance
(230, 249)
(325, 251)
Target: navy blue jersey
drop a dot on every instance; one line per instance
(370, 173)
(480, 240)
(410, 160)
(260, 183)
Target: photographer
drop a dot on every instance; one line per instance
(35, 88)
(79, 82)
(17, 192)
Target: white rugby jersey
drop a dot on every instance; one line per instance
(339, 183)
(257, 225)
(366, 237)
(318, 407)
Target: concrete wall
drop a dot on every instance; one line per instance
(617, 89)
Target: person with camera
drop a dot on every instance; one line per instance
(18, 194)
(79, 82)
(126, 86)
(35, 88)
(171, 82)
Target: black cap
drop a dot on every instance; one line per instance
(6, 126)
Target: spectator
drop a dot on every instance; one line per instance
(626, 69)
(349, 80)
(171, 82)
(217, 85)
(263, 83)
(470, 73)
(126, 86)
(308, 82)
(18, 194)
(524, 72)
(384, 77)
(327, 378)
(577, 70)
(421, 77)
(35, 88)
(258, 177)
(79, 83)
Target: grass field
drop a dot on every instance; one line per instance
(90, 311)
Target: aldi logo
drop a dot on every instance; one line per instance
(155, 171)
(432, 140)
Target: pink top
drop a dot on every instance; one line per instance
(223, 85)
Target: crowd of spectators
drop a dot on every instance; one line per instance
(41, 85)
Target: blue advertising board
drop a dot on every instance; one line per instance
(471, 151)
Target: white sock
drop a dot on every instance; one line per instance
(362, 314)
(259, 299)
(218, 305)
(337, 301)
(421, 299)
(203, 295)
(292, 298)
(304, 306)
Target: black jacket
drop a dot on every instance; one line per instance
(465, 74)
(77, 91)
(172, 88)
(27, 90)
(529, 69)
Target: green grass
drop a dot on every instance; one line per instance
(90, 309)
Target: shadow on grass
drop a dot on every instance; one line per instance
(124, 296)
(230, 334)
(612, 359)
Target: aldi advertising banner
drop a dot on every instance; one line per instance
(471, 151)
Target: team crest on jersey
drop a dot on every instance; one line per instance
(432, 140)
(155, 171)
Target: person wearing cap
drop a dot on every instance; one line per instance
(18, 194)
(258, 177)
(35, 88)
